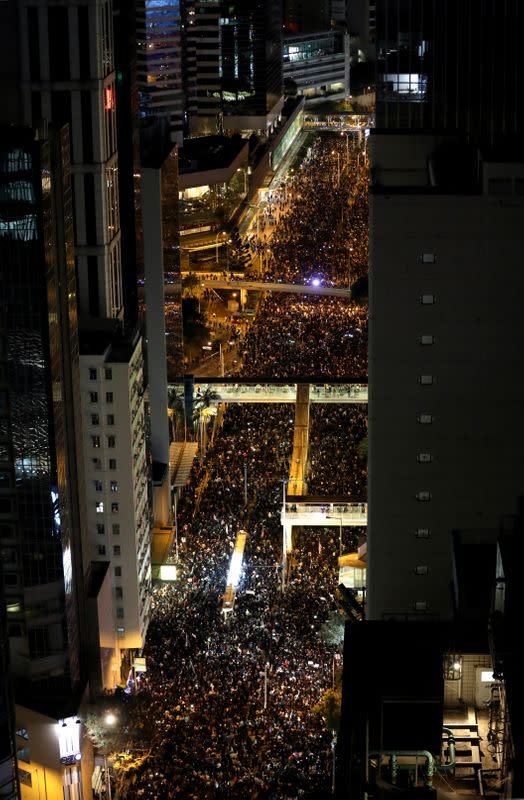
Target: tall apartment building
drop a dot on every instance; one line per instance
(160, 65)
(118, 516)
(233, 60)
(76, 83)
(201, 54)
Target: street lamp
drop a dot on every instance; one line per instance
(339, 531)
(220, 233)
(333, 152)
(347, 145)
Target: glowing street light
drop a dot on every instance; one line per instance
(110, 719)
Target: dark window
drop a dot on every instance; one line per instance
(92, 373)
(36, 107)
(109, 373)
(59, 39)
(33, 43)
(61, 107)
(109, 397)
(92, 283)
(90, 208)
(87, 124)
(112, 463)
(83, 42)
(118, 572)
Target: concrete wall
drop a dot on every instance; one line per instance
(474, 394)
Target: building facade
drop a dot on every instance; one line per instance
(160, 64)
(118, 515)
(450, 65)
(316, 62)
(445, 430)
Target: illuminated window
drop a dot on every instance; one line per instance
(421, 605)
(100, 507)
(424, 458)
(422, 533)
(421, 569)
(95, 441)
(425, 380)
(427, 299)
(486, 676)
(114, 508)
(427, 338)
(121, 632)
(113, 485)
(428, 258)
(424, 496)
(425, 418)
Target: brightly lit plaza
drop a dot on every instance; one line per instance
(243, 660)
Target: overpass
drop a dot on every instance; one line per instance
(262, 286)
(242, 392)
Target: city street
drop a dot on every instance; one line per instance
(234, 709)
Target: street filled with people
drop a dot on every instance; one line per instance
(231, 705)
(335, 433)
(306, 337)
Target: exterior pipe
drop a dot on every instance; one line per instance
(451, 747)
(395, 766)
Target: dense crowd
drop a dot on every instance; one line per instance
(203, 694)
(295, 336)
(335, 465)
(315, 226)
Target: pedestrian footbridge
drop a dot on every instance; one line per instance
(282, 393)
(266, 286)
(320, 514)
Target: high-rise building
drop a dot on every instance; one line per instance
(443, 64)
(43, 562)
(77, 83)
(114, 448)
(233, 53)
(444, 453)
(160, 67)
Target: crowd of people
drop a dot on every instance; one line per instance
(296, 336)
(230, 706)
(314, 227)
(336, 467)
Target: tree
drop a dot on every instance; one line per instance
(362, 449)
(329, 708)
(196, 332)
(175, 410)
(189, 284)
